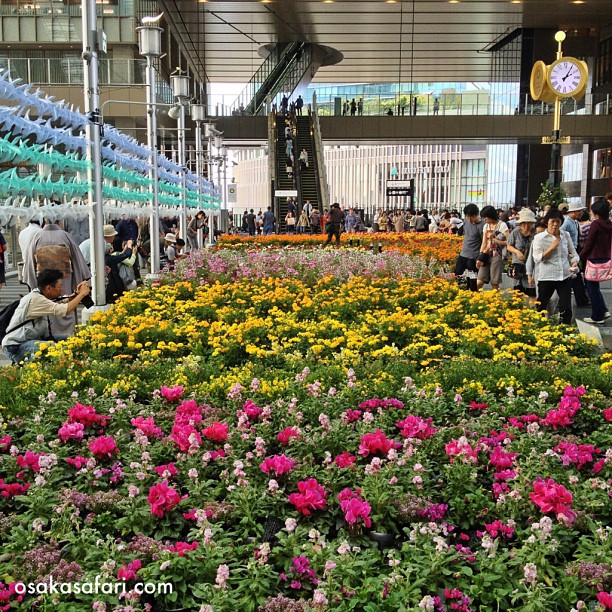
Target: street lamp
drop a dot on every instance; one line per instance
(149, 43)
(198, 114)
(179, 83)
(211, 134)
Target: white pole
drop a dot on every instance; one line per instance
(211, 218)
(199, 170)
(153, 173)
(182, 163)
(94, 151)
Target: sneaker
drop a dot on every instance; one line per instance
(607, 315)
(593, 322)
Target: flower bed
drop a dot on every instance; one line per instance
(442, 248)
(315, 443)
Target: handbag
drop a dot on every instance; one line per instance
(516, 270)
(329, 227)
(599, 272)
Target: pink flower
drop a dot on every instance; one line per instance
(286, 435)
(279, 464)
(568, 405)
(605, 599)
(351, 416)
(607, 415)
(71, 431)
(11, 490)
(251, 410)
(188, 413)
(162, 499)
(129, 571)
(217, 431)
(147, 427)
(497, 528)
(345, 460)
(476, 406)
(354, 507)
(311, 496)
(576, 453)
(552, 497)
(30, 460)
(103, 446)
(376, 442)
(86, 415)
(416, 427)
(182, 548)
(78, 462)
(501, 460)
(185, 436)
(171, 394)
(5, 443)
(166, 471)
(461, 448)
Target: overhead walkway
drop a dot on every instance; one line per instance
(472, 129)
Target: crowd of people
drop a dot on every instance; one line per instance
(56, 266)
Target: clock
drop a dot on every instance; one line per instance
(567, 77)
(538, 83)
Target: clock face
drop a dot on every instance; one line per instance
(565, 77)
(538, 78)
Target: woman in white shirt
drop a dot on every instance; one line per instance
(494, 239)
(556, 258)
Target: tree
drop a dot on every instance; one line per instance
(551, 196)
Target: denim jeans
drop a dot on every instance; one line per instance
(26, 350)
(598, 304)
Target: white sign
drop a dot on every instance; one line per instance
(399, 184)
(232, 193)
(285, 193)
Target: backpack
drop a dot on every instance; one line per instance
(6, 314)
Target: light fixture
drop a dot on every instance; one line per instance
(578, 2)
(453, 1)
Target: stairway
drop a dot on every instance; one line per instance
(309, 176)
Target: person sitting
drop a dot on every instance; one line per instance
(30, 325)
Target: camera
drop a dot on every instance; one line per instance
(87, 301)
(87, 56)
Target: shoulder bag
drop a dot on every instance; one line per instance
(599, 272)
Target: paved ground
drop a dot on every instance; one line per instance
(14, 289)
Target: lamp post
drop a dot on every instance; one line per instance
(149, 43)
(555, 154)
(179, 83)
(223, 185)
(198, 114)
(210, 134)
(94, 151)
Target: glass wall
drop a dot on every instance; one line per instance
(602, 164)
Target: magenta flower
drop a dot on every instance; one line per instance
(103, 446)
(71, 431)
(185, 436)
(5, 443)
(552, 497)
(170, 394)
(188, 413)
(376, 443)
(251, 410)
(279, 464)
(162, 499)
(502, 460)
(86, 415)
(607, 415)
(497, 528)
(147, 427)
(181, 548)
(580, 454)
(416, 427)
(354, 507)
(286, 435)
(311, 496)
(129, 571)
(351, 416)
(77, 462)
(461, 448)
(30, 460)
(166, 471)
(345, 460)
(217, 431)
(14, 489)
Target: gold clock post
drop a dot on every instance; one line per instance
(555, 174)
(566, 77)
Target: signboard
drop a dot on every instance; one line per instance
(399, 188)
(285, 193)
(232, 193)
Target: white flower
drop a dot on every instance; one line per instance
(290, 524)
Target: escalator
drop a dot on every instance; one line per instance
(284, 181)
(309, 181)
(287, 66)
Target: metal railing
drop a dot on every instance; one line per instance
(449, 105)
(69, 71)
(46, 9)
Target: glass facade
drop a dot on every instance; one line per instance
(602, 163)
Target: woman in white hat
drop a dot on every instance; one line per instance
(519, 243)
